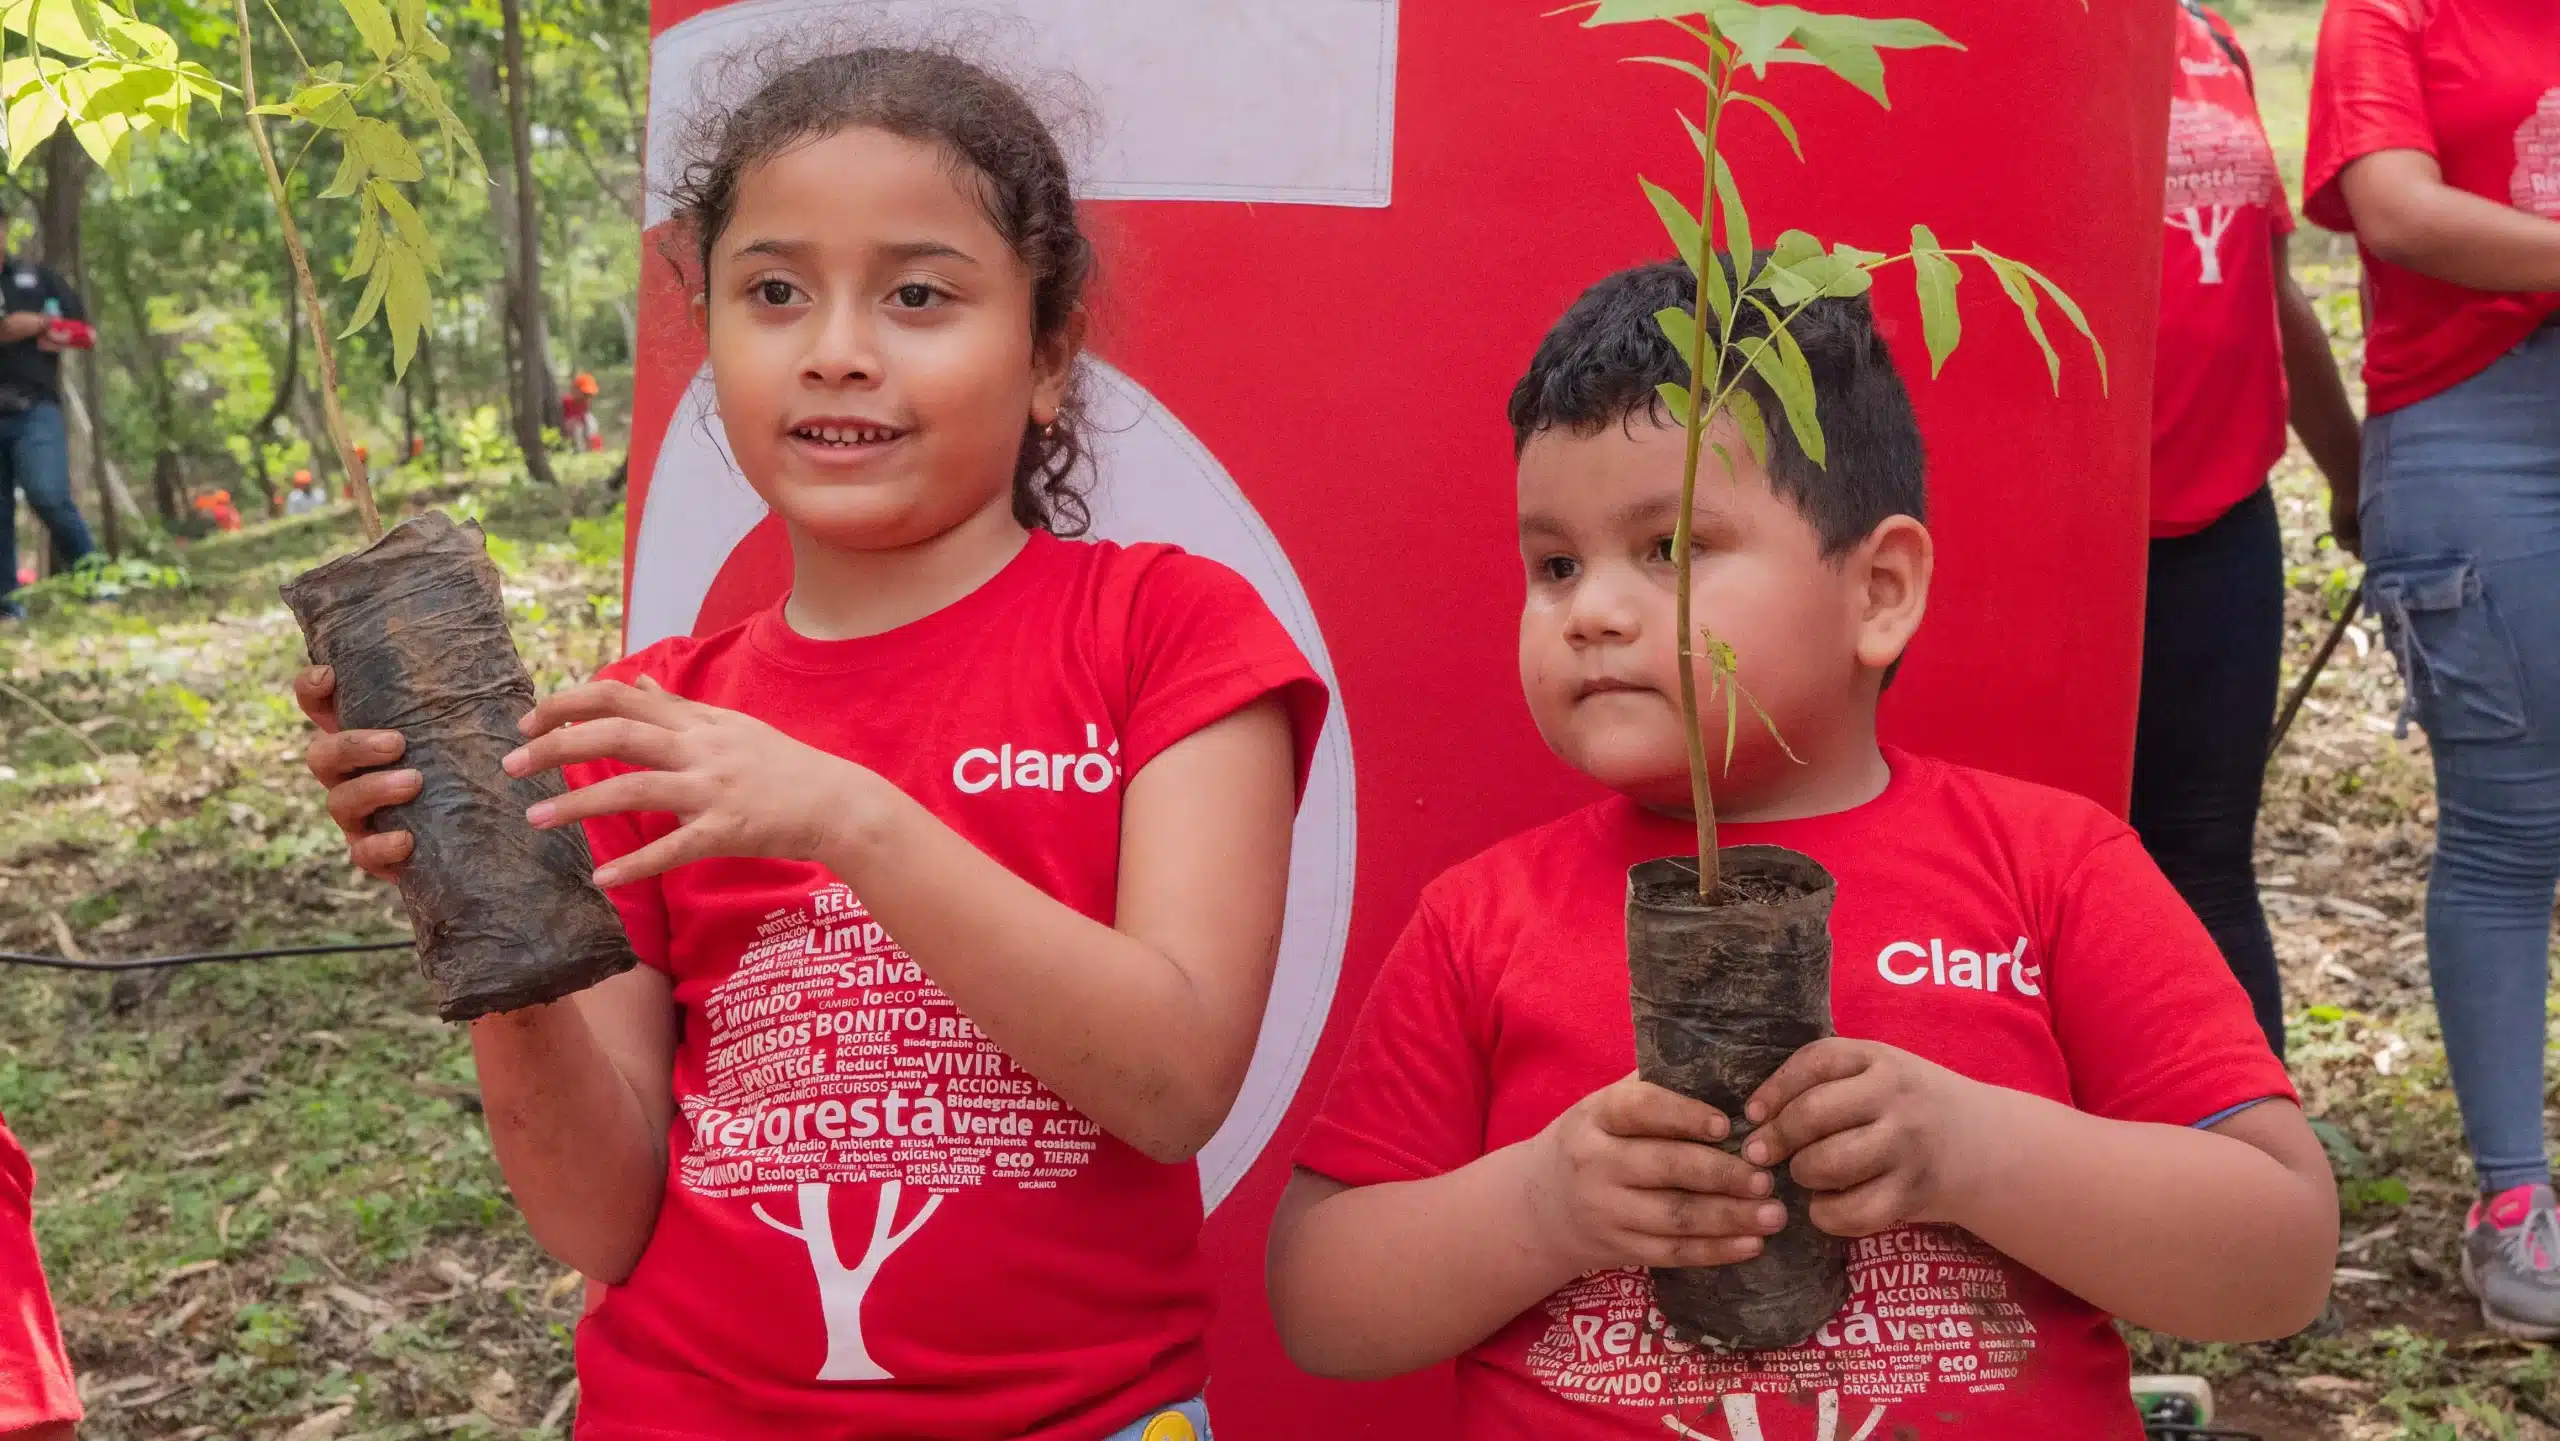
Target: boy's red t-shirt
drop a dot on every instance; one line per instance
(875, 1223)
(35, 1376)
(2218, 400)
(2476, 84)
(2015, 934)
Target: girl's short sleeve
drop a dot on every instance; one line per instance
(35, 1375)
(1199, 646)
(2367, 95)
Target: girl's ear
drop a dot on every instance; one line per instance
(1053, 367)
(700, 308)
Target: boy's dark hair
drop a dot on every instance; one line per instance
(996, 141)
(1602, 362)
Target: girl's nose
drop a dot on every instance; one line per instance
(843, 348)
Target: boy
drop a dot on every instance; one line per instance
(2048, 1101)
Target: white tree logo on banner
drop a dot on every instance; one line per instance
(2218, 163)
(2536, 186)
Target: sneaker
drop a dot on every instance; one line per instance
(2511, 1261)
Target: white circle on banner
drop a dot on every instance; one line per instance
(1157, 483)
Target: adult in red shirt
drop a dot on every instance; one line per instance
(2240, 352)
(2046, 1102)
(37, 1399)
(2435, 137)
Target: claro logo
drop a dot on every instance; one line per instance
(1093, 770)
(1909, 963)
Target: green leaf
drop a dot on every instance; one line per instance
(406, 303)
(373, 22)
(1680, 328)
(1675, 398)
(2070, 309)
(1676, 219)
(1778, 117)
(51, 24)
(1629, 12)
(1756, 33)
(415, 34)
(2022, 293)
(1852, 60)
(1780, 364)
(33, 116)
(350, 172)
(1745, 410)
(1719, 303)
(1684, 67)
(404, 218)
(422, 88)
(372, 298)
(1737, 224)
(368, 243)
(387, 153)
(1886, 34)
(1786, 287)
(1794, 247)
(1936, 277)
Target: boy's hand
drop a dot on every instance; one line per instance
(1632, 1178)
(1871, 1131)
(737, 786)
(336, 760)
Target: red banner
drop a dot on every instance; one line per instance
(1331, 233)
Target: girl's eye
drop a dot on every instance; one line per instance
(916, 296)
(1559, 568)
(776, 292)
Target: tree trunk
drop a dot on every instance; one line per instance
(287, 381)
(115, 498)
(110, 520)
(427, 386)
(66, 186)
(539, 388)
(152, 368)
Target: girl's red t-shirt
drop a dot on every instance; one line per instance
(2218, 397)
(875, 1223)
(35, 1376)
(2476, 84)
(2013, 934)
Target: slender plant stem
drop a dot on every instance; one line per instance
(1701, 801)
(319, 321)
(58, 723)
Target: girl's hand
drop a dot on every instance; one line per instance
(335, 760)
(1631, 1177)
(1871, 1130)
(737, 786)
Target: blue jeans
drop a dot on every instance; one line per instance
(1192, 1411)
(2461, 517)
(35, 456)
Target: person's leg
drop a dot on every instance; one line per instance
(41, 456)
(2463, 551)
(9, 606)
(2213, 634)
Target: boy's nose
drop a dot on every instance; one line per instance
(1602, 613)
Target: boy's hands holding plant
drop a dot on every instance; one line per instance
(1874, 1132)
(1630, 1176)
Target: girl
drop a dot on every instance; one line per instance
(2435, 138)
(958, 876)
(2240, 354)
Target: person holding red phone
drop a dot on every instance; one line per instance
(35, 451)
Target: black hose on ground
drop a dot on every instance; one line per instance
(197, 958)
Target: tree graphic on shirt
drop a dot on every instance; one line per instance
(2535, 189)
(1742, 1421)
(2218, 164)
(841, 1287)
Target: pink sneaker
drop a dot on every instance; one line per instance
(2511, 1261)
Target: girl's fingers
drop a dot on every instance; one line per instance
(656, 858)
(334, 758)
(630, 791)
(1846, 1160)
(352, 803)
(381, 856)
(1825, 1110)
(632, 742)
(315, 689)
(597, 700)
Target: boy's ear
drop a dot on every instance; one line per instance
(1891, 570)
(1053, 367)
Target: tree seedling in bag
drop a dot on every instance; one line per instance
(415, 624)
(1729, 954)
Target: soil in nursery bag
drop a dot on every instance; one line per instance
(415, 626)
(1723, 995)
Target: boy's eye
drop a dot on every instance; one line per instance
(916, 296)
(776, 292)
(1559, 567)
(1662, 550)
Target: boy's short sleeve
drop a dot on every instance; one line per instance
(2367, 94)
(1411, 1096)
(1200, 646)
(36, 1388)
(2150, 1020)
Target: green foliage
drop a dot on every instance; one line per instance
(104, 74)
(99, 578)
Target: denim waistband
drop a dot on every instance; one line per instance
(1186, 1422)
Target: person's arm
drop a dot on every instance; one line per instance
(2406, 213)
(1374, 1281)
(20, 325)
(578, 1094)
(2223, 1234)
(1146, 1025)
(2321, 413)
